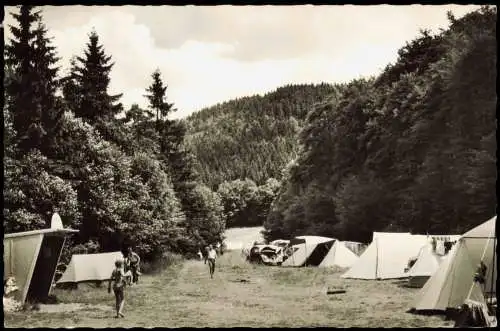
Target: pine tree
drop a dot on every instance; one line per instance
(33, 85)
(90, 79)
(156, 97)
(22, 100)
(46, 72)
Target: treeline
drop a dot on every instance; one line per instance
(251, 137)
(121, 176)
(413, 149)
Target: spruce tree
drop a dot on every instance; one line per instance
(90, 79)
(48, 84)
(21, 89)
(33, 84)
(156, 97)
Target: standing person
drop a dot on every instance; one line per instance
(133, 261)
(212, 255)
(118, 282)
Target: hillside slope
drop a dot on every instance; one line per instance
(251, 137)
(412, 150)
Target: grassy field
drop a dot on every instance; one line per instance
(183, 295)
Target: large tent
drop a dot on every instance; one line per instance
(308, 251)
(387, 256)
(453, 283)
(340, 256)
(90, 267)
(31, 257)
(427, 263)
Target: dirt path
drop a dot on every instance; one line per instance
(271, 297)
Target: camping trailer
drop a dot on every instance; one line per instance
(31, 257)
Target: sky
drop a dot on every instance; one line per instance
(212, 54)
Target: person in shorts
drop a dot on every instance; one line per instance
(211, 256)
(118, 283)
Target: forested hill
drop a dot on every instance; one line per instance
(251, 137)
(411, 150)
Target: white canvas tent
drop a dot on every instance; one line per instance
(387, 256)
(308, 251)
(86, 267)
(453, 283)
(427, 263)
(340, 256)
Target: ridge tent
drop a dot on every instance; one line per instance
(427, 263)
(90, 267)
(453, 283)
(31, 257)
(307, 251)
(340, 256)
(387, 256)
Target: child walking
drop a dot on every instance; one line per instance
(118, 282)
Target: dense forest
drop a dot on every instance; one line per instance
(413, 149)
(121, 176)
(252, 137)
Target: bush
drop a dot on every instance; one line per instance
(161, 263)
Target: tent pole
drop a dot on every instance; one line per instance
(11, 262)
(305, 248)
(58, 258)
(493, 266)
(376, 259)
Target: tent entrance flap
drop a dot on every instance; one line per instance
(45, 268)
(318, 254)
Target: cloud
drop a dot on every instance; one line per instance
(212, 54)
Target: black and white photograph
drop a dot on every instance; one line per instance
(249, 165)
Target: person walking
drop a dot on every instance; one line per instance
(133, 261)
(117, 281)
(212, 255)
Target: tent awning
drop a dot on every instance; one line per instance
(42, 231)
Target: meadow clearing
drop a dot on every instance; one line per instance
(183, 295)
